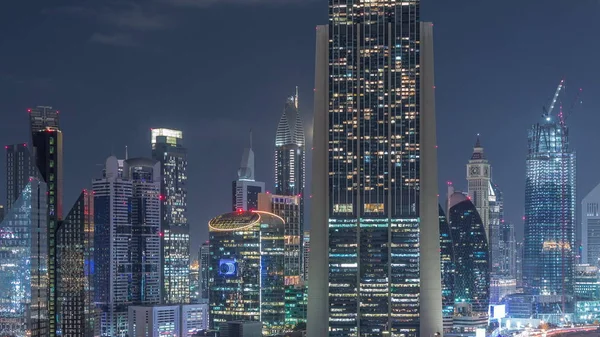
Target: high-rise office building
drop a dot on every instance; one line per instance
(77, 314)
(168, 149)
(287, 207)
(496, 222)
(306, 254)
(479, 175)
(19, 168)
(290, 156)
(194, 281)
(375, 221)
(519, 264)
(127, 214)
(112, 248)
(549, 210)
(246, 188)
(587, 283)
(590, 227)
(204, 259)
(448, 270)
(247, 269)
(24, 264)
(471, 254)
(2, 212)
(508, 249)
(47, 146)
(144, 173)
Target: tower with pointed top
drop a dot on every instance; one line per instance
(290, 160)
(479, 182)
(246, 189)
(290, 157)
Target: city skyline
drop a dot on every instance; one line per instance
(55, 80)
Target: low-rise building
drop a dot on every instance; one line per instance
(184, 320)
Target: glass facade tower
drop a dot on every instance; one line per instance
(167, 148)
(127, 216)
(19, 169)
(75, 239)
(448, 270)
(24, 264)
(548, 254)
(471, 254)
(247, 270)
(204, 260)
(48, 158)
(374, 117)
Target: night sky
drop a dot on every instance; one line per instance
(218, 68)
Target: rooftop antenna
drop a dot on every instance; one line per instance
(296, 98)
(250, 138)
(126, 153)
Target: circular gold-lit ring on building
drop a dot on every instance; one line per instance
(234, 221)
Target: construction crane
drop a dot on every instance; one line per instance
(548, 112)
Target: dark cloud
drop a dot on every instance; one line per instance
(116, 39)
(122, 23)
(207, 3)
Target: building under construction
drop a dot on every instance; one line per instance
(550, 207)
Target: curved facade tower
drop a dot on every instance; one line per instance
(471, 253)
(549, 210)
(246, 275)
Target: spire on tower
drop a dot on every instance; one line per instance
(478, 150)
(296, 98)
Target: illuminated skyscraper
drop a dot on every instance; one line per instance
(204, 260)
(144, 173)
(24, 264)
(306, 252)
(290, 155)
(245, 188)
(112, 261)
(548, 255)
(48, 158)
(247, 269)
(590, 227)
(167, 148)
(496, 229)
(448, 270)
(19, 168)
(289, 208)
(75, 239)
(375, 241)
(471, 254)
(126, 215)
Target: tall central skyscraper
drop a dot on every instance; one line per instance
(48, 158)
(549, 247)
(167, 148)
(375, 242)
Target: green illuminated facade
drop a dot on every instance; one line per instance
(246, 274)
